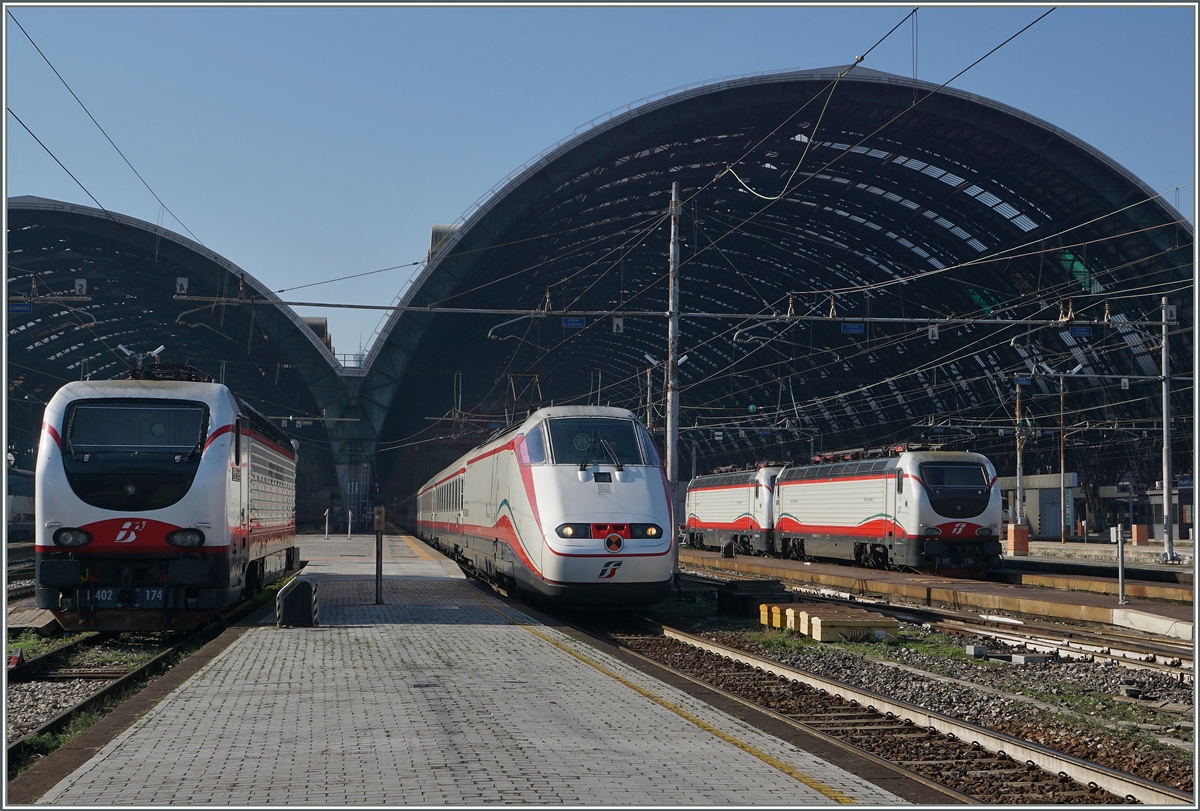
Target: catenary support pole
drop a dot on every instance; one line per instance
(1168, 541)
(1017, 511)
(672, 415)
(1062, 463)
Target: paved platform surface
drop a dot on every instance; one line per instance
(443, 695)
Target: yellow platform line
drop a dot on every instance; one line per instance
(790, 771)
(417, 547)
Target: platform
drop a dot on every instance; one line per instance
(1141, 613)
(443, 695)
(1106, 552)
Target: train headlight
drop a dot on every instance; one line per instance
(983, 531)
(574, 531)
(932, 531)
(72, 537)
(645, 531)
(185, 537)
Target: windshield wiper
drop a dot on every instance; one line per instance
(612, 454)
(587, 453)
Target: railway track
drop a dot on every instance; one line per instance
(40, 684)
(19, 578)
(983, 764)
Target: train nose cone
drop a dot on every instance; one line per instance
(613, 542)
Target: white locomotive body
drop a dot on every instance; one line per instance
(570, 506)
(159, 502)
(735, 508)
(936, 511)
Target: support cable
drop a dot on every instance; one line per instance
(97, 123)
(65, 169)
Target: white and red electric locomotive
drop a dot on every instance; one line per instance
(161, 500)
(935, 511)
(570, 507)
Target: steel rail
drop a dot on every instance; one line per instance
(1123, 649)
(27, 670)
(1077, 650)
(58, 722)
(220, 621)
(1082, 771)
(825, 737)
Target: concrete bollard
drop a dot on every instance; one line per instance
(296, 604)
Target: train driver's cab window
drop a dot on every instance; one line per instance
(161, 426)
(535, 447)
(649, 449)
(899, 480)
(594, 440)
(953, 474)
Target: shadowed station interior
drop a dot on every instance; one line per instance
(920, 250)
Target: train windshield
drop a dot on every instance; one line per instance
(953, 474)
(163, 426)
(594, 440)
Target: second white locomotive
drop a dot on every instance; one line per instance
(936, 511)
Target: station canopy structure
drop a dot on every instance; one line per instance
(862, 210)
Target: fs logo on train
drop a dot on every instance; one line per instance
(610, 569)
(129, 531)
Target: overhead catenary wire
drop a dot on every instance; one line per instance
(878, 130)
(97, 123)
(65, 169)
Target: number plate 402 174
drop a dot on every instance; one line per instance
(146, 597)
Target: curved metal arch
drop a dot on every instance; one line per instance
(957, 179)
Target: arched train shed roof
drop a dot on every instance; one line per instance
(131, 269)
(821, 194)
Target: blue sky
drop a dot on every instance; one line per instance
(307, 143)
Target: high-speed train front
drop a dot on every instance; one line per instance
(571, 506)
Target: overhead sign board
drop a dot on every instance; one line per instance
(1081, 332)
(574, 323)
(15, 307)
(1022, 381)
(853, 329)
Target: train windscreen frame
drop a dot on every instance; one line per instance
(132, 454)
(154, 426)
(956, 489)
(593, 440)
